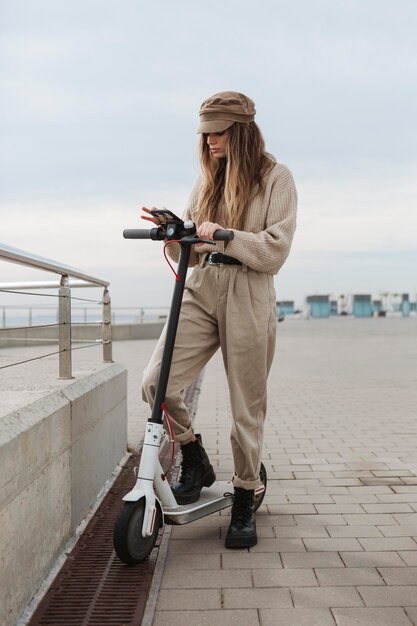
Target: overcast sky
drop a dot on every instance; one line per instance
(99, 106)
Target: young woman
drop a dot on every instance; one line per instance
(229, 299)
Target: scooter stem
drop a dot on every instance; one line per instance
(157, 412)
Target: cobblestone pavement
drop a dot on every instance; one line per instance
(338, 527)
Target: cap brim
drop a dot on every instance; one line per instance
(214, 126)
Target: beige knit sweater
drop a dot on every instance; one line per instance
(265, 240)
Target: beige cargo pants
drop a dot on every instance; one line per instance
(233, 307)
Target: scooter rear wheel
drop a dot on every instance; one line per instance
(259, 497)
(130, 546)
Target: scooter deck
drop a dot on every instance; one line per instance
(215, 498)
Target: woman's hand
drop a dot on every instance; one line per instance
(149, 217)
(207, 229)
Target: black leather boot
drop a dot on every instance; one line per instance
(242, 529)
(196, 473)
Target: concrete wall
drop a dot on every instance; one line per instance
(55, 456)
(38, 336)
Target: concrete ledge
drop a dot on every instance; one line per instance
(55, 456)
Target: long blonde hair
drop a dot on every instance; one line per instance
(231, 182)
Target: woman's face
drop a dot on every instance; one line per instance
(217, 143)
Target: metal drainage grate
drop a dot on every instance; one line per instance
(94, 587)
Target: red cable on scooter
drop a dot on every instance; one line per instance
(177, 276)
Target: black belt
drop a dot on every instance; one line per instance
(217, 258)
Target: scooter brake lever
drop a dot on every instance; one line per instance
(192, 239)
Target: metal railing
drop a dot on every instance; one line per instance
(9, 313)
(14, 255)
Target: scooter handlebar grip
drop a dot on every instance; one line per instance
(137, 233)
(223, 235)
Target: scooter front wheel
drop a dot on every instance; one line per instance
(130, 546)
(261, 495)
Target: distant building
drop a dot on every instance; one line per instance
(362, 306)
(319, 306)
(285, 307)
(333, 307)
(377, 307)
(405, 305)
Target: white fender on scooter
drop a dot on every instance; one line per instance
(151, 502)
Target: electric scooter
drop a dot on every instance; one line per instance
(151, 502)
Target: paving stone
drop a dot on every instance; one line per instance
(311, 499)
(263, 518)
(206, 618)
(389, 473)
(372, 559)
(339, 508)
(405, 518)
(250, 560)
(408, 498)
(388, 543)
(389, 596)
(341, 482)
(178, 599)
(355, 531)
(399, 575)
(355, 499)
(326, 596)
(285, 578)
(296, 617)
(332, 544)
(387, 508)
(193, 561)
(349, 576)
(410, 558)
(302, 531)
(291, 509)
(411, 612)
(320, 520)
(369, 520)
(311, 560)
(371, 617)
(201, 579)
(256, 598)
(195, 546)
(280, 544)
(401, 530)
(374, 489)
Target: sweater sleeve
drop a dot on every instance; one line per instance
(267, 250)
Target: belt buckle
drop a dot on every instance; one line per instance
(210, 260)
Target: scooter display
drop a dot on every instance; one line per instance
(151, 502)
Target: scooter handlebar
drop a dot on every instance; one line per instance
(156, 233)
(223, 235)
(143, 233)
(136, 233)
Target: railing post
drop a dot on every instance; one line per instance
(64, 319)
(106, 328)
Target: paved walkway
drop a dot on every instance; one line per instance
(338, 527)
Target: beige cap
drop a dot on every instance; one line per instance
(223, 109)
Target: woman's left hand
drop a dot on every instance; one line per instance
(207, 229)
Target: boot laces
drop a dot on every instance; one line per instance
(187, 467)
(242, 510)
